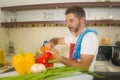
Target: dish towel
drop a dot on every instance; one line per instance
(77, 50)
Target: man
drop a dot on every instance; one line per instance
(85, 40)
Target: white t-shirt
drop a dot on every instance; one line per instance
(89, 45)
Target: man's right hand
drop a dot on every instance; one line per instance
(53, 42)
(50, 45)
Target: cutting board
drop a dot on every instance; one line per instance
(78, 77)
(12, 73)
(75, 77)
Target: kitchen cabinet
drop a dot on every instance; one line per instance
(105, 22)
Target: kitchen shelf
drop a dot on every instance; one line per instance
(33, 23)
(60, 23)
(103, 22)
(62, 5)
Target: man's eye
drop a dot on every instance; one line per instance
(69, 21)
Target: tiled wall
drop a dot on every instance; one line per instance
(30, 39)
(4, 38)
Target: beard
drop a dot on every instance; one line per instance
(74, 30)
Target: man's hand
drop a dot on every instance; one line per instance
(49, 45)
(55, 54)
(55, 41)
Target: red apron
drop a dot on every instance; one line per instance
(72, 46)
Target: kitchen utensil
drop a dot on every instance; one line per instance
(105, 52)
(11, 48)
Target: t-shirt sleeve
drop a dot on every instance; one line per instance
(89, 44)
(68, 39)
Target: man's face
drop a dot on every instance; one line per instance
(73, 23)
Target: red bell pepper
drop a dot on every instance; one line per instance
(45, 58)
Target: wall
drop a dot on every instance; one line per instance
(58, 14)
(4, 38)
(4, 33)
(20, 36)
(24, 2)
(30, 39)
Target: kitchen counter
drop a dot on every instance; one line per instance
(106, 68)
(109, 75)
(100, 66)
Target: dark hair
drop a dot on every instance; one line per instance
(76, 10)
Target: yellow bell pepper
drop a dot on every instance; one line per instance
(22, 62)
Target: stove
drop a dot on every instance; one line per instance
(105, 52)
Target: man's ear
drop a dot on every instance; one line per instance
(82, 20)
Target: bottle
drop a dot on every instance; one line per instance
(11, 48)
(2, 57)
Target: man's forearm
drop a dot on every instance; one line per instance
(72, 63)
(67, 61)
(57, 41)
(54, 41)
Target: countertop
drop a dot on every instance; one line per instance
(109, 75)
(100, 66)
(105, 68)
